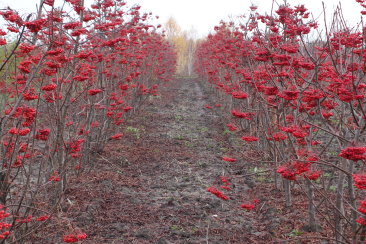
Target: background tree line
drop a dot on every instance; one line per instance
(185, 43)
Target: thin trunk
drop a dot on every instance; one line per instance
(312, 210)
(339, 211)
(352, 198)
(288, 197)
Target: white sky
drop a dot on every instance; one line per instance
(203, 15)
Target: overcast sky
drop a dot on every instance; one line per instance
(203, 15)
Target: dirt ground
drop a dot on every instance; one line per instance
(151, 186)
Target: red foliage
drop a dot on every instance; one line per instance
(117, 136)
(228, 159)
(248, 206)
(218, 193)
(231, 127)
(249, 138)
(360, 180)
(93, 92)
(353, 153)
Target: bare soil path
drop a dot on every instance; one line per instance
(151, 186)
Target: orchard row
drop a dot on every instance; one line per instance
(297, 94)
(69, 77)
